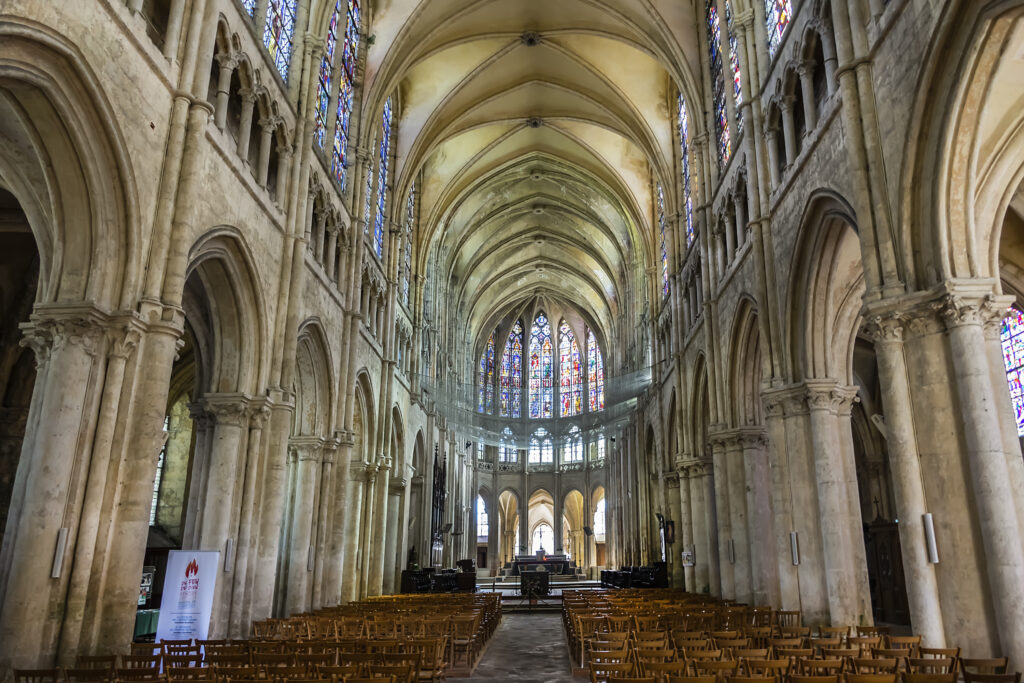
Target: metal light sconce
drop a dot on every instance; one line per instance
(58, 553)
(929, 538)
(794, 547)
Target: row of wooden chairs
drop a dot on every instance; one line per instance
(630, 673)
(349, 674)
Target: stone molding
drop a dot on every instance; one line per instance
(228, 408)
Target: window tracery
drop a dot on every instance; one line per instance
(664, 247)
(512, 373)
(595, 373)
(541, 371)
(570, 370)
(542, 447)
(346, 92)
(572, 448)
(734, 62)
(718, 106)
(507, 451)
(382, 179)
(485, 402)
(410, 216)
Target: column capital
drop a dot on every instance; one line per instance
(830, 396)
(959, 310)
(887, 327)
(56, 326)
(228, 409)
(784, 401)
(306, 448)
(259, 412)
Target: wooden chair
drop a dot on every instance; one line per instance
(137, 674)
(141, 661)
(873, 630)
(88, 675)
(660, 670)
(819, 644)
(690, 679)
(225, 672)
(228, 661)
(875, 665)
(288, 673)
(148, 649)
(341, 673)
(38, 676)
(991, 678)
(630, 679)
(748, 654)
(465, 639)
(787, 618)
(871, 678)
(908, 643)
(864, 643)
(616, 656)
(397, 672)
(601, 673)
(704, 655)
(910, 677)
(821, 667)
(190, 673)
(992, 665)
(272, 659)
(752, 679)
(953, 652)
(795, 678)
(182, 661)
(643, 657)
(841, 632)
(107, 662)
(931, 665)
(719, 669)
(777, 669)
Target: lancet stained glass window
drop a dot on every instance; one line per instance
(250, 7)
(507, 451)
(410, 217)
(346, 90)
(684, 142)
(777, 15)
(485, 401)
(368, 199)
(482, 521)
(382, 179)
(595, 373)
(512, 373)
(279, 32)
(718, 106)
(542, 448)
(734, 62)
(572, 451)
(541, 371)
(570, 372)
(664, 246)
(1012, 338)
(323, 91)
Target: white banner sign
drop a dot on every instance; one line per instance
(188, 595)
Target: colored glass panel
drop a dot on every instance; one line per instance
(572, 450)
(1012, 338)
(485, 402)
(719, 109)
(250, 7)
(777, 15)
(684, 141)
(570, 372)
(542, 448)
(595, 373)
(382, 179)
(482, 521)
(664, 245)
(507, 451)
(278, 33)
(346, 89)
(541, 379)
(410, 216)
(323, 91)
(510, 398)
(734, 62)
(368, 199)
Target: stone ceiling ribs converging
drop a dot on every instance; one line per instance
(536, 132)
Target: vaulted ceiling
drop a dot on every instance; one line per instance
(540, 128)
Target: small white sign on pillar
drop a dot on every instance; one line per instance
(188, 595)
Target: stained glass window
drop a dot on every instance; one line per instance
(719, 109)
(410, 215)
(159, 473)
(599, 523)
(323, 91)
(250, 7)
(485, 377)
(512, 373)
(278, 33)
(382, 179)
(368, 199)
(542, 448)
(600, 447)
(572, 451)
(734, 62)
(570, 372)
(507, 451)
(777, 15)
(1012, 337)
(541, 370)
(595, 373)
(664, 246)
(543, 538)
(346, 89)
(684, 142)
(482, 522)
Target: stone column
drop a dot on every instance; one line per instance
(781, 502)
(339, 513)
(367, 538)
(722, 521)
(838, 531)
(396, 488)
(764, 570)
(740, 547)
(231, 412)
(351, 578)
(672, 510)
(268, 124)
(965, 317)
(52, 456)
(904, 466)
(322, 524)
(226, 64)
(245, 124)
(381, 531)
(305, 453)
(805, 70)
(770, 137)
(789, 128)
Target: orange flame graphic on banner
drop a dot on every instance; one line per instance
(192, 569)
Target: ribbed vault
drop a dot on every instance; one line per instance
(536, 133)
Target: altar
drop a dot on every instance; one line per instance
(552, 564)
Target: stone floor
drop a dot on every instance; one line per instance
(526, 647)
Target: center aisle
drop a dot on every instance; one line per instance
(526, 647)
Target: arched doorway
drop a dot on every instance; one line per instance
(541, 522)
(508, 531)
